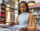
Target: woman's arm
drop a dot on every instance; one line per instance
(32, 24)
(33, 21)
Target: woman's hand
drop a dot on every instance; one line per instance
(31, 28)
(24, 29)
(11, 24)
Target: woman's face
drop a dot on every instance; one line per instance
(23, 7)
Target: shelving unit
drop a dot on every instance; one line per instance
(36, 13)
(10, 8)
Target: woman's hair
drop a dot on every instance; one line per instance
(19, 12)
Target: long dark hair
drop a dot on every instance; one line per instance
(19, 12)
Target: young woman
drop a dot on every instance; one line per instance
(24, 18)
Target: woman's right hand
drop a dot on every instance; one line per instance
(11, 24)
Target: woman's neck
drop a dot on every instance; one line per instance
(25, 12)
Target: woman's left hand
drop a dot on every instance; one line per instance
(24, 29)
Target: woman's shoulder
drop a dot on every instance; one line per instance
(30, 14)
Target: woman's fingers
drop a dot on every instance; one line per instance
(24, 29)
(11, 24)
